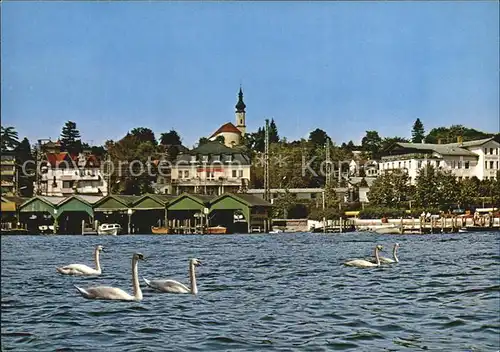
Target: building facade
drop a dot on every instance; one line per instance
(211, 168)
(8, 173)
(479, 158)
(63, 174)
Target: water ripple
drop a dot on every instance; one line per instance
(256, 293)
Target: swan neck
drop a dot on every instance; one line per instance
(192, 277)
(376, 256)
(135, 280)
(395, 254)
(97, 262)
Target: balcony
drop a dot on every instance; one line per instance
(207, 182)
(88, 190)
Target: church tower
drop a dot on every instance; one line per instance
(240, 113)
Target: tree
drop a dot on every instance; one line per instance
(469, 189)
(203, 140)
(318, 137)
(451, 134)
(70, 137)
(372, 143)
(133, 171)
(436, 188)
(389, 141)
(170, 138)
(144, 134)
(273, 132)
(418, 132)
(9, 138)
(390, 190)
(26, 168)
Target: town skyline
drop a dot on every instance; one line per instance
(345, 67)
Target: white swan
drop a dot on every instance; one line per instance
(82, 269)
(171, 286)
(384, 260)
(361, 263)
(114, 293)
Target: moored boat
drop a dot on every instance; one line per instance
(160, 230)
(216, 230)
(109, 229)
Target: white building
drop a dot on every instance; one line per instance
(480, 158)
(63, 174)
(211, 168)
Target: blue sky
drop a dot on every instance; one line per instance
(345, 67)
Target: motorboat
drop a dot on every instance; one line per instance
(276, 231)
(109, 229)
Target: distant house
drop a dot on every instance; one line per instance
(63, 174)
(479, 158)
(211, 168)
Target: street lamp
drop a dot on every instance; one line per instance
(129, 212)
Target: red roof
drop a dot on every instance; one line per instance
(55, 159)
(226, 128)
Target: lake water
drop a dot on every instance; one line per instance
(285, 292)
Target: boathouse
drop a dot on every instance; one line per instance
(40, 211)
(150, 210)
(75, 212)
(116, 209)
(239, 213)
(187, 212)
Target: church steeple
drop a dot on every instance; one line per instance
(240, 105)
(240, 113)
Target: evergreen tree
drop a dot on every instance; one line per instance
(273, 132)
(25, 169)
(70, 137)
(418, 132)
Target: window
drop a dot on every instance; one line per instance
(466, 164)
(492, 166)
(459, 164)
(485, 164)
(234, 173)
(240, 173)
(67, 184)
(485, 150)
(186, 173)
(491, 151)
(204, 158)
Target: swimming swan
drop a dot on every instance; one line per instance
(361, 263)
(171, 286)
(81, 269)
(114, 293)
(384, 260)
